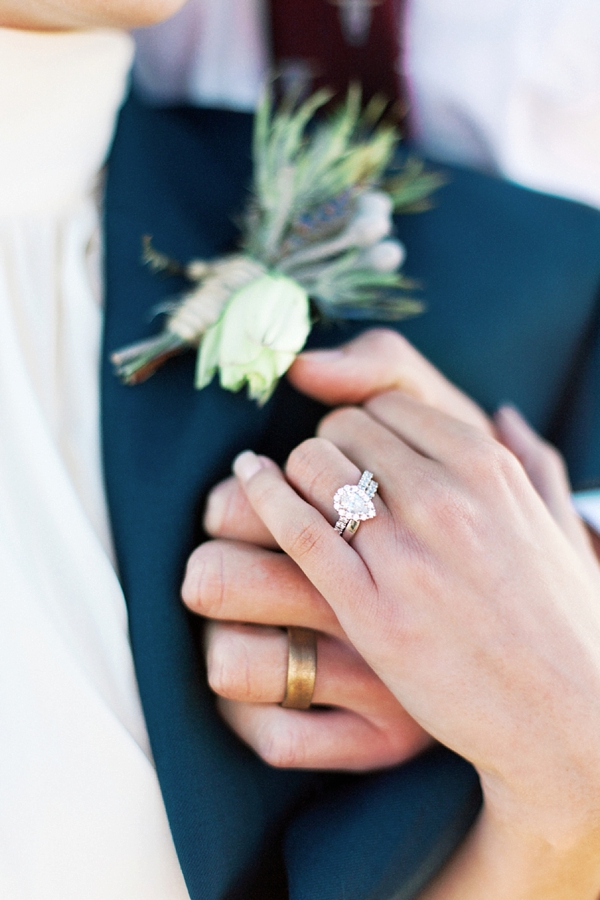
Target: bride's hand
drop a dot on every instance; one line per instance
(463, 594)
(242, 583)
(246, 590)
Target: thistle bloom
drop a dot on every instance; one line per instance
(385, 256)
(375, 204)
(373, 219)
(261, 330)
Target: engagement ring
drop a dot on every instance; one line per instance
(354, 503)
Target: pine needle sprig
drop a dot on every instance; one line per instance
(413, 187)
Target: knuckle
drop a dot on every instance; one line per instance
(301, 465)
(487, 473)
(203, 589)
(339, 421)
(299, 543)
(485, 460)
(386, 342)
(282, 746)
(455, 511)
(233, 505)
(447, 508)
(229, 667)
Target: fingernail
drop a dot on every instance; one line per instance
(512, 413)
(322, 356)
(511, 407)
(246, 465)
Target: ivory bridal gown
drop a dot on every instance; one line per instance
(81, 814)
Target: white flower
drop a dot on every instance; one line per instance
(263, 327)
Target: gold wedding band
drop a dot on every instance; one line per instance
(302, 668)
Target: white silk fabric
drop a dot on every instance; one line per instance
(510, 86)
(81, 814)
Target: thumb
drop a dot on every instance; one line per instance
(376, 361)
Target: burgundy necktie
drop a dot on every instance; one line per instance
(335, 42)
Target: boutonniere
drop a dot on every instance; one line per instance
(316, 242)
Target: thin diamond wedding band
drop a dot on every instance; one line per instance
(302, 668)
(354, 503)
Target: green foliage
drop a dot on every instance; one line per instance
(308, 177)
(295, 172)
(317, 226)
(411, 188)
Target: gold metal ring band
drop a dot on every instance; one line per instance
(302, 668)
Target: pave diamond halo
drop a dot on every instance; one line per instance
(354, 503)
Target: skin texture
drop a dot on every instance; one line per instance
(365, 727)
(499, 641)
(494, 650)
(56, 15)
(232, 582)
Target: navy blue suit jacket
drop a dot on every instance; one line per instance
(510, 279)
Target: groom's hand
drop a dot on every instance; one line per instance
(380, 360)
